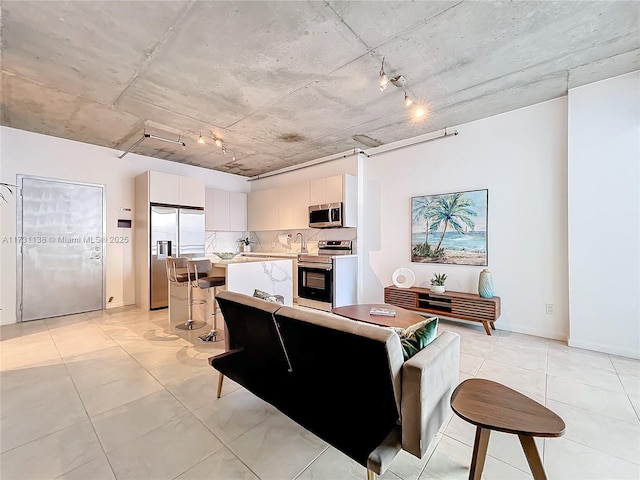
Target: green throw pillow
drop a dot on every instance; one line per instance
(416, 337)
(268, 297)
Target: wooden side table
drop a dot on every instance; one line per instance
(491, 406)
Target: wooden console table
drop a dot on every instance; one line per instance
(464, 306)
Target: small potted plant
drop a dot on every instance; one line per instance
(245, 243)
(437, 282)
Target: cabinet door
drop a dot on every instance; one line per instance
(191, 192)
(237, 211)
(333, 189)
(208, 208)
(262, 210)
(300, 213)
(285, 208)
(220, 210)
(317, 189)
(164, 188)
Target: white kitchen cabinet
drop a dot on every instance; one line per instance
(262, 210)
(163, 188)
(225, 211)
(293, 203)
(336, 189)
(191, 192)
(175, 189)
(237, 211)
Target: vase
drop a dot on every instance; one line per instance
(485, 284)
(246, 248)
(438, 288)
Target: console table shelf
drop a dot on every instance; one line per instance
(464, 306)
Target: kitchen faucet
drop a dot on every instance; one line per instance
(303, 246)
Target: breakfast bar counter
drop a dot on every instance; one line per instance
(242, 275)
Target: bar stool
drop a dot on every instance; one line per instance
(178, 273)
(202, 279)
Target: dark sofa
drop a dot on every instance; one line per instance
(343, 380)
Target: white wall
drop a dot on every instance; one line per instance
(520, 157)
(604, 215)
(29, 153)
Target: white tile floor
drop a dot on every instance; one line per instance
(122, 394)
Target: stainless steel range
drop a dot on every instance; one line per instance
(328, 280)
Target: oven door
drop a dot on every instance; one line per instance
(315, 281)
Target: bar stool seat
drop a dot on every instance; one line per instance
(211, 282)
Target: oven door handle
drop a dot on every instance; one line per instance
(315, 266)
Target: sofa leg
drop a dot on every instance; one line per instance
(220, 379)
(371, 475)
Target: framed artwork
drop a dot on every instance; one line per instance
(450, 228)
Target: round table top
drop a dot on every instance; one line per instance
(494, 406)
(403, 318)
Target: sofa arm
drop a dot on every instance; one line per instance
(428, 380)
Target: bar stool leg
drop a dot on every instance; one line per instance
(191, 324)
(212, 336)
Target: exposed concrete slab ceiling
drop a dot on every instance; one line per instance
(286, 82)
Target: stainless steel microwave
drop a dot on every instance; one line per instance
(325, 216)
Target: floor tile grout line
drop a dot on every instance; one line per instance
(75, 387)
(488, 454)
(591, 412)
(304, 469)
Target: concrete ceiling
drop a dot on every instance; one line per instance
(287, 82)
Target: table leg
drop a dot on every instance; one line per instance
(493, 325)
(485, 324)
(531, 452)
(479, 453)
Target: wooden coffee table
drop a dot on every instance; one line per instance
(492, 406)
(403, 319)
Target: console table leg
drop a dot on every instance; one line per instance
(493, 325)
(533, 457)
(479, 453)
(485, 324)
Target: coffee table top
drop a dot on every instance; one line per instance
(494, 406)
(403, 319)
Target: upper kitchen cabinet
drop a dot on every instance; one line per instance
(293, 207)
(225, 211)
(336, 189)
(175, 189)
(191, 192)
(263, 210)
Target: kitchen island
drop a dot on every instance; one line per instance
(242, 275)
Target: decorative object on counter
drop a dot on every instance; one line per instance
(225, 255)
(279, 299)
(403, 278)
(437, 282)
(485, 284)
(9, 188)
(450, 228)
(245, 243)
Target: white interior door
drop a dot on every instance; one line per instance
(62, 246)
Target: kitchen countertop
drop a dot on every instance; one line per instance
(217, 261)
(271, 254)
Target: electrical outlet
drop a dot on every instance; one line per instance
(548, 308)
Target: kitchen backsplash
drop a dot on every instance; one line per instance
(276, 241)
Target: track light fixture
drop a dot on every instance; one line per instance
(217, 141)
(407, 100)
(384, 80)
(200, 139)
(418, 111)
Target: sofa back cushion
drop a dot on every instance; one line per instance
(252, 329)
(348, 379)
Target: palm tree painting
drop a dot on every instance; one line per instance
(450, 228)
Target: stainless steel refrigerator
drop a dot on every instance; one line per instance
(175, 232)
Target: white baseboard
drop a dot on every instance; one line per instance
(610, 349)
(115, 305)
(525, 330)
